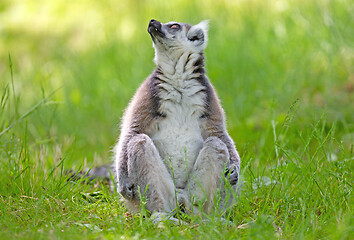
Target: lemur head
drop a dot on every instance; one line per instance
(174, 37)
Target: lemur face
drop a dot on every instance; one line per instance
(174, 35)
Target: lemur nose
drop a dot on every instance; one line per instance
(155, 23)
(155, 27)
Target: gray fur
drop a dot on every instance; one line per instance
(175, 127)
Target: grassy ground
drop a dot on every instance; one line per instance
(283, 69)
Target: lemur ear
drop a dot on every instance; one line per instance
(203, 25)
(199, 33)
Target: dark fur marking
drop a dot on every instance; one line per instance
(200, 61)
(158, 71)
(199, 65)
(154, 90)
(208, 92)
(188, 27)
(188, 59)
(200, 91)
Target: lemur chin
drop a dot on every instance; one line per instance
(174, 146)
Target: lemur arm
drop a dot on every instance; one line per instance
(233, 165)
(214, 125)
(140, 113)
(132, 124)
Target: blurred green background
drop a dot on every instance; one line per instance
(264, 57)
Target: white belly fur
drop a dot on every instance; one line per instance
(178, 137)
(179, 146)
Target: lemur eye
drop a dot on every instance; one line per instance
(175, 26)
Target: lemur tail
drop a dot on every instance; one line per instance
(103, 173)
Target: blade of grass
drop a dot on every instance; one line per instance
(29, 112)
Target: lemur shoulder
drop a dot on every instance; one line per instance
(173, 142)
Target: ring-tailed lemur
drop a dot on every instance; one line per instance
(173, 142)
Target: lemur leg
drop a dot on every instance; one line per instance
(147, 170)
(206, 176)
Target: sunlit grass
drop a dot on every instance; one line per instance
(283, 70)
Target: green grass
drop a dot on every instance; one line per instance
(284, 71)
